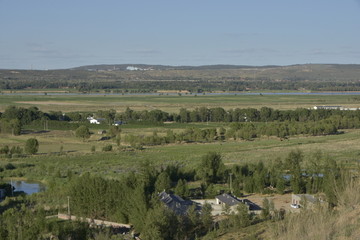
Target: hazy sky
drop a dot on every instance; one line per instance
(48, 34)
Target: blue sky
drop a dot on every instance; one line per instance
(49, 34)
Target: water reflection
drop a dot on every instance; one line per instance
(27, 187)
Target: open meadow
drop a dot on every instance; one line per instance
(172, 103)
(77, 157)
(63, 151)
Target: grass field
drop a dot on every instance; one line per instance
(78, 157)
(172, 103)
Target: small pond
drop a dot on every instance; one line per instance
(27, 187)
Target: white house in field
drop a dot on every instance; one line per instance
(96, 120)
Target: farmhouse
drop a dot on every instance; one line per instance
(329, 107)
(96, 120)
(175, 203)
(227, 199)
(232, 202)
(304, 200)
(335, 108)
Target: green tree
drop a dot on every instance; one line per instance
(31, 146)
(114, 131)
(15, 125)
(280, 184)
(292, 162)
(184, 115)
(266, 207)
(163, 182)
(160, 224)
(206, 217)
(82, 132)
(241, 218)
(211, 168)
(181, 188)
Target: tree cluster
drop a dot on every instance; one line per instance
(134, 199)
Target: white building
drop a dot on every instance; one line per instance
(96, 120)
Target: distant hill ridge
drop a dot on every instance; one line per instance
(151, 78)
(123, 67)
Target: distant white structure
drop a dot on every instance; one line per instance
(335, 108)
(96, 120)
(132, 68)
(328, 107)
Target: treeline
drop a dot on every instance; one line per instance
(242, 131)
(315, 173)
(13, 119)
(134, 199)
(244, 124)
(319, 78)
(218, 114)
(20, 220)
(202, 114)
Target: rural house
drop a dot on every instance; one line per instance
(96, 120)
(175, 203)
(304, 200)
(329, 107)
(227, 199)
(230, 201)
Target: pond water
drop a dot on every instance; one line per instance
(27, 187)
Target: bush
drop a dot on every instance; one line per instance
(4, 150)
(16, 150)
(31, 146)
(107, 148)
(9, 166)
(82, 132)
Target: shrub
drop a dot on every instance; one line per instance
(107, 148)
(31, 146)
(4, 150)
(16, 150)
(9, 166)
(82, 132)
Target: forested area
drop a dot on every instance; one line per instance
(193, 86)
(134, 198)
(244, 124)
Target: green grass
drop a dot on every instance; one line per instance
(169, 103)
(78, 156)
(343, 147)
